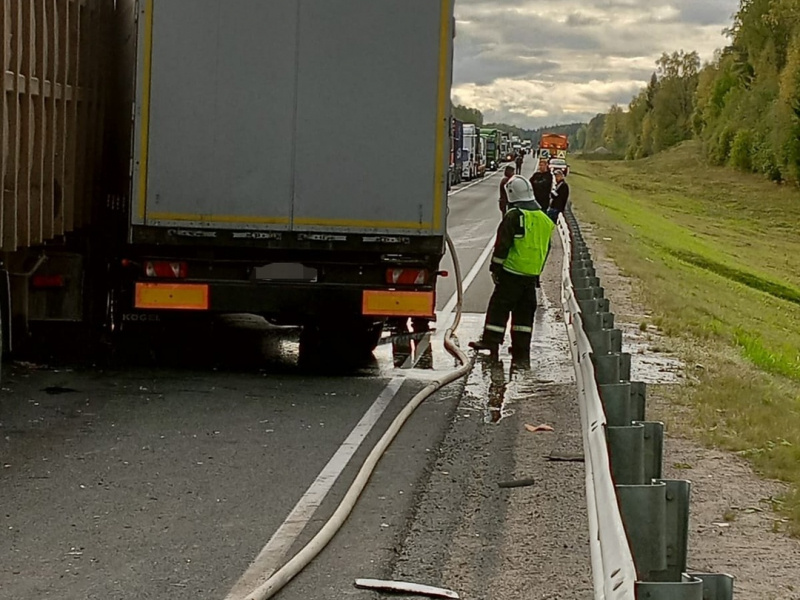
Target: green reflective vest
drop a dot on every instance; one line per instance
(529, 251)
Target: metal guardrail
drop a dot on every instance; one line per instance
(638, 521)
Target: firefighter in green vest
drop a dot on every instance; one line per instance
(520, 251)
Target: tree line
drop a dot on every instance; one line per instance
(744, 105)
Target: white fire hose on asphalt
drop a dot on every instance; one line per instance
(297, 563)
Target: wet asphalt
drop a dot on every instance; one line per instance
(165, 477)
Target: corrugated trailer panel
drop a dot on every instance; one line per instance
(364, 67)
(282, 115)
(216, 102)
(50, 98)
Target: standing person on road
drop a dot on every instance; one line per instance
(542, 182)
(559, 197)
(519, 160)
(520, 251)
(508, 173)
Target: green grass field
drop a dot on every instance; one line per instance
(717, 253)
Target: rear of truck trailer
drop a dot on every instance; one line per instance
(241, 199)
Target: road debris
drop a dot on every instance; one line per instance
(516, 483)
(54, 390)
(29, 365)
(537, 428)
(409, 588)
(565, 458)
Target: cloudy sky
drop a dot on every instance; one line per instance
(541, 62)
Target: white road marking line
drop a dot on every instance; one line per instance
(271, 557)
(419, 351)
(447, 311)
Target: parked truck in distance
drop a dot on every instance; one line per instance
(493, 144)
(456, 152)
(170, 178)
(470, 150)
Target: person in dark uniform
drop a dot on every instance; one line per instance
(519, 160)
(559, 196)
(520, 251)
(542, 182)
(508, 173)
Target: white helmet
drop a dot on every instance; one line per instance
(519, 189)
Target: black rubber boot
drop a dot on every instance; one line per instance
(520, 363)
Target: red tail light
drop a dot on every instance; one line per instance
(165, 269)
(407, 276)
(47, 281)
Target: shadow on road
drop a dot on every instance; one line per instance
(233, 343)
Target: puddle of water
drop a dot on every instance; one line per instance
(551, 361)
(649, 365)
(494, 387)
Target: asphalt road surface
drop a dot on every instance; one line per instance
(197, 474)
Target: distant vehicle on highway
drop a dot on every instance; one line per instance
(559, 163)
(553, 145)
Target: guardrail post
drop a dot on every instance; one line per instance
(606, 368)
(626, 454)
(589, 293)
(653, 449)
(656, 519)
(716, 586)
(582, 261)
(600, 342)
(594, 305)
(616, 398)
(638, 400)
(688, 588)
(692, 586)
(616, 341)
(678, 493)
(644, 514)
(624, 362)
(584, 272)
(597, 321)
(584, 282)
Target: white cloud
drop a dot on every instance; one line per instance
(539, 62)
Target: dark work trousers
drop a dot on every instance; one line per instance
(514, 295)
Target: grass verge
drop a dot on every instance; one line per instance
(717, 255)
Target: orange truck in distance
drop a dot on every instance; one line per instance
(553, 145)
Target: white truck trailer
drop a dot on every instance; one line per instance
(469, 152)
(224, 188)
